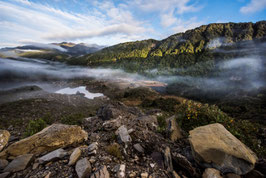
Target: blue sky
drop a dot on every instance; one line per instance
(108, 22)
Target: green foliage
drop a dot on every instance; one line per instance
(192, 114)
(161, 124)
(139, 93)
(114, 150)
(74, 119)
(165, 104)
(35, 126)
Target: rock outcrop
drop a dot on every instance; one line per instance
(4, 136)
(51, 138)
(214, 146)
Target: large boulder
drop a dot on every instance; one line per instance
(213, 146)
(51, 138)
(4, 136)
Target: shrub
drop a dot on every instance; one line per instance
(35, 126)
(114, 150)
(74, 119)
(165, 104)
(161, 124)
(191, 115)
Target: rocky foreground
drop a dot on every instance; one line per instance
(123, 141)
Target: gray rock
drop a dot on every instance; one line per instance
(120, 170)
(108, 112)
(74, 157)
(4, 137)
(211, 173)
(83, 168)
(19, 163)
(93, 146)
(3, 163)
(138, 147)
(102, 172)
(54, 155)
(167, 159)
(123, 134)
(173, 130)
(4, 175)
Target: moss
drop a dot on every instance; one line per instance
(74, 119)
(35, 126)
(114, 150)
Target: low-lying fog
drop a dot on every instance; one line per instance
(245, 73)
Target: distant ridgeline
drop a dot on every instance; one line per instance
(194, 52)
(193, 48)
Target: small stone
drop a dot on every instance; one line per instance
(54, 155)
(102, 172)
(3, 163)
(93, 146)
(35, 166)
(123, 134)
(138, 147)
(48, 175)
(74, 157)
(132, 174)
(19, 163)
(4, 175)
(92, 160)
(211, 173)
(4, 137)
(94, 152)
(120, 170)
(83, 168)
(144, 175)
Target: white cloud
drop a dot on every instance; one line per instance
(42, 23)
(182, 26)
(181, 6)
(168, 19)
(253, 6)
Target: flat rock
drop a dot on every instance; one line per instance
(211, 173)
(54, 155)
(74, 157)
(4, 137)
(173, 130)
(19, 163)
(213, 146)
(83, 168)
(102, 172)
(3, 163)
(51, 138)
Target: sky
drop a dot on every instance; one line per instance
(109, 22)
